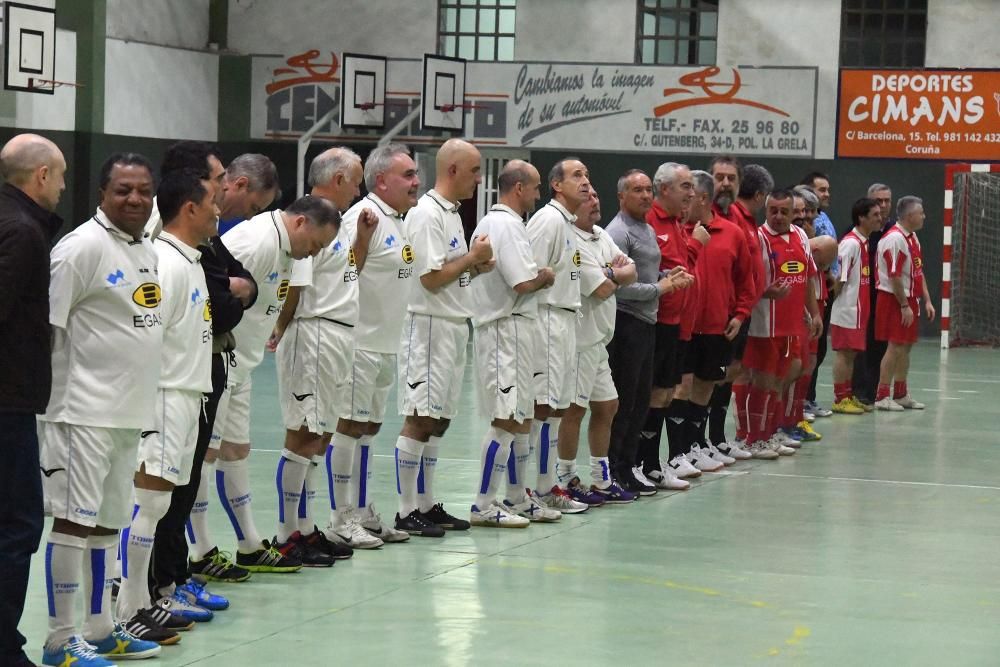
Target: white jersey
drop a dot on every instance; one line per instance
(329, 282)
(261, 244)
(850, 309)
(386, 279)
(553, 243)
(187, 316)
(493, 295)
(155, 224)
(900, 256)
(434, 228)
(104, 303)
(596, 324)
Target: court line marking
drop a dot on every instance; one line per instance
(883, 481)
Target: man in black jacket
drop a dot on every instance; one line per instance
(33, 168)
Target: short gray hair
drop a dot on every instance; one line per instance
(623, 179)
(329, 163)
(808, 196)
(756, 179)
(666, 173)
(907, 204)
(379, 161)
(261, 174)
(703, 183)
(877, 187)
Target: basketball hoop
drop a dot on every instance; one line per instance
(50, 84)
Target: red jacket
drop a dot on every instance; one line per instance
(742, 218)
(674, 251)
(724, 274)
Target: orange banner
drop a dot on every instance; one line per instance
(919, 114)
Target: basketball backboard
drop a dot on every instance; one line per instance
(443, 102)
(362, 99)
(29, 48)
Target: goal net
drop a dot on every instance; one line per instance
(975, 257)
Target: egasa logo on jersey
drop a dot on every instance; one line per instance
(792, 267)
(576, 259)
(282, 290)
(407, 254)
(147, 295)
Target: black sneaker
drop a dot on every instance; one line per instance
(320, 541)
(626, 479)
(218, 566)
(308, 552)
(144, 626)
(415, 523)
(439, 517)
(271, 559)
(160, 614)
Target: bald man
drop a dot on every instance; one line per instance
(33, 169)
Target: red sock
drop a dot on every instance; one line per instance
(801, 389)
(842, 390)
(777, 409)
(899, 389)
(740, 393)
(787, 414)
(883, 392)
(757, 407)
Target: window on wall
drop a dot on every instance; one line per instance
(677, 32)
(883, 33)
(476, 29)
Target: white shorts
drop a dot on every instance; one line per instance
(167, 446)
(592, 380)
(366, 394)
(431, 366)
(87, 473)
(555, 357)
(504, 365)
(314, 360)
(232, 418)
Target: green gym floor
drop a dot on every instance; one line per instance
(877, 546)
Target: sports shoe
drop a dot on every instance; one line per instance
(614, 494)
(717, 454)
(816, 410)
(628, 481)
(640, 476)
(848, 406)
(122, 645)
(581, 494)
(761, 450)
(162, 613)
(309, 552)
(734, 450)
(557, 499)
(318, 540)
(347, 525)
(809, 433)
(789, 437)
(218, 566)
(75, 652)
(145, 626)
(808, 416)
(888, 405)
(269, 559)
(864, 403)
(702, 461)
(416, 523)
(195, 593)
(180, 606)
(496, 516)
(438, 516)
(666, 479)
(532, 510)
(777, 444)
(908, 403)
(372, 521)
(682, 467)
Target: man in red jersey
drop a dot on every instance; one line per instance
(900, 286)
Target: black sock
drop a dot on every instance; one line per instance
(676, 416)
(718, 411)
(694, 425)
(648, 453)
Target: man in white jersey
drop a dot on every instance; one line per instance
(504, 320)
(166, 451)
(553, 243)
(385, 266)
(266, 245)
(315, 355)
(107, 325)
(435, 334)
(603, 269)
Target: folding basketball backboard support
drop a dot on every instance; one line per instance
(29, 48)
(443, 102)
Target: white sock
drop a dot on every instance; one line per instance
(425, 480)
(548, 441)
(565, 471)
(493, 455)
(63, 572)
(363, 470)
(408, 453)
(600, 471)
(232, 479)
(101, 554)
(340, 470)
(517, 468)
(198, 536)
(137, 548)
(307, 521)
(291, 477)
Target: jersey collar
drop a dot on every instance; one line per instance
(382, 206)
(588, 236)
(441, 201)
(102, 219)
(569, 217)
(190, 254)
(506, 209)
(284, 243)
(659, 213)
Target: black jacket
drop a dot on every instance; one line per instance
(26, 233)
(227, 311)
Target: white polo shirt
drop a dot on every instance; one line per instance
(434, 228)
(104, 302)
(493, 295)
(596, 324)
(329, 282)
(386, 279)
(187, 316)
(553, 243)
(261, 244)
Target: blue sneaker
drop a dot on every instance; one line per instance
(795, 433)
(120, 645)
(615, 494)
(180, 606)
(75, 652)
(196, 594)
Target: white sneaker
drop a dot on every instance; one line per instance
(761, 450)
(776, 443)
(734, 449)
(808, 416)
(816, 410)
(666, 479)
(372, 521)
(717, 454)
(681, 467)
(787, 440)
(702, 461)
(559, 500)
(908, 403)
(888, 405)
(532, 510)
(496, 516)
(641, 476)
(346, 524)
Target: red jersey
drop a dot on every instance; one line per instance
(674, 251)
(787, 260)
(724, 273)
(899, 256)
(740, 216)
(692, 295)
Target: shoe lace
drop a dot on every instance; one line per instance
(81, 648)
(224, 558)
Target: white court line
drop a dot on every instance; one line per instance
(883, 481)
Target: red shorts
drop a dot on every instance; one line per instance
(889, 320)
(842, 338)
(771, 355)
(801, 347)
